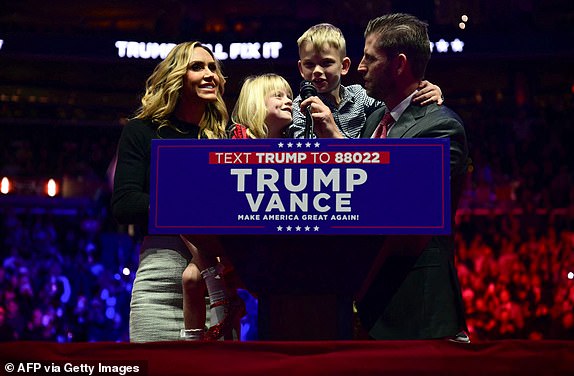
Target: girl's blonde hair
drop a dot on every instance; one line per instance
(250, 109)
(163, 89)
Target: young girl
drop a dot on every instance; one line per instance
(263, 109)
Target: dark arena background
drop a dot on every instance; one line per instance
(72, 73)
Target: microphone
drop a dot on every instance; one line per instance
(306, 90)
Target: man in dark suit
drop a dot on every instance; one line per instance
(412, 291)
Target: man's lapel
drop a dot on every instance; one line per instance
(373, 122)
(408, 119)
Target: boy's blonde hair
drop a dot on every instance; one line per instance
(250, 109)
(163, 89)
(324, 33)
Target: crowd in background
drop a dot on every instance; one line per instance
(514, 275)
(67, 276)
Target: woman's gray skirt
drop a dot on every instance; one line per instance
(156, 310)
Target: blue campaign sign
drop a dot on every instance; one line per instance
(300, 186)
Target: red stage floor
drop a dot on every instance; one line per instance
(512, 357)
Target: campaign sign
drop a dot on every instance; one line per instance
(300, 186)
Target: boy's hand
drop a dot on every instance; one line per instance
(324, 123)
(427, 94)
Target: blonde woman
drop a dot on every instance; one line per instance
(263, 108)
(183, 99)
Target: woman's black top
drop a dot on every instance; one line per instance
(130, 198)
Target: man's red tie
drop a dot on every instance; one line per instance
(381, 131)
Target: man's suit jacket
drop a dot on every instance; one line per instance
(416, 294)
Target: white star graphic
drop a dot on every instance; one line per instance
(442, 46)
(316, 228)
(298, 228)
(457, 45)
(307, 144)
(279, 228)
(317, 144)
(288, 228)
(299, 144)
(289, 144)
(280, 144)
(307, 228)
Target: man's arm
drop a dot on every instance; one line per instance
(446, 124)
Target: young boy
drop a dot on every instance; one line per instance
(323, 60)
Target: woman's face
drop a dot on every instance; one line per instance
(201, 83)
(279, 106)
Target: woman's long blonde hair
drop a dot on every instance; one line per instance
(163, 89)
(250, 109)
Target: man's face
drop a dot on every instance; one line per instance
(323, 68)
(375, 67)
